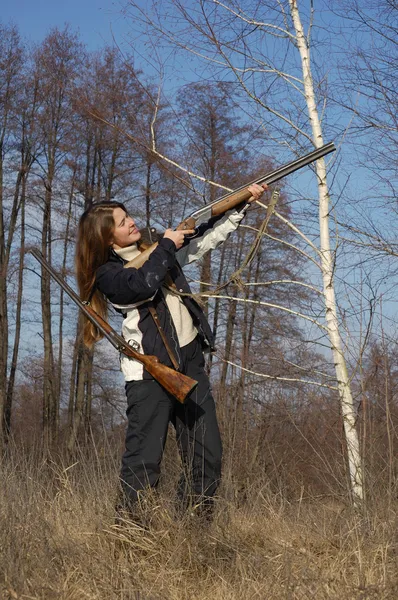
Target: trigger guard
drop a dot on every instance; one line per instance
(191, 236)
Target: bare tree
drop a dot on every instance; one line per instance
(367, 88)
(107, 165)
(216, 144)
(26, 122)
(57, 61)
(11, 94)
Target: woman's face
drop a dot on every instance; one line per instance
(125, 232)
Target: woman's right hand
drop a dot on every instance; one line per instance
(177, 236)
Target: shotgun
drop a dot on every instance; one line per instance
(238, 196)
(177, 384)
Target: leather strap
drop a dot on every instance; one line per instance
(170, 352)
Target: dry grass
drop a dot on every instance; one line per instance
(59, 540)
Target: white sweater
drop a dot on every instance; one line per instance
(186, 330)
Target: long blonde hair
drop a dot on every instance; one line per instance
(94, 238)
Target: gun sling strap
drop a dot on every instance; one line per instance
(170, 352)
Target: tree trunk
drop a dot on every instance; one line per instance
(327, 261)
(111, 171)
(205, 278)
(75, 358)
(3, 312)
(79, 398)
(89, 390)
(148, 193)
(14, 359)
(5, 251)
(228, 344)
(50, 405)
(61, 298)
(217, 304)
(249, 317)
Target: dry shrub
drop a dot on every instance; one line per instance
(59, 539)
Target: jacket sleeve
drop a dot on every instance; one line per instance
(210, 236)
(128, 286)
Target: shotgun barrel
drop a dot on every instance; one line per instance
(241, 194)
(237, 197)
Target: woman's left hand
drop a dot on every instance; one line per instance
(256, 191)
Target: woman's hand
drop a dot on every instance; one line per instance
(177, 236)
(256, 191)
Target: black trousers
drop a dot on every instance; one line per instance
(150, 409)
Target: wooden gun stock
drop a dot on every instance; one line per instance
(177, 384)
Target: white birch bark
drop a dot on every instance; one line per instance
(327, 262)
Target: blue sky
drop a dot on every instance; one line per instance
(97, 21)
(94, 19)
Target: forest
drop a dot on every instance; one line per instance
(201, 98)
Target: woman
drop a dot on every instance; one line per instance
(157, 321)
